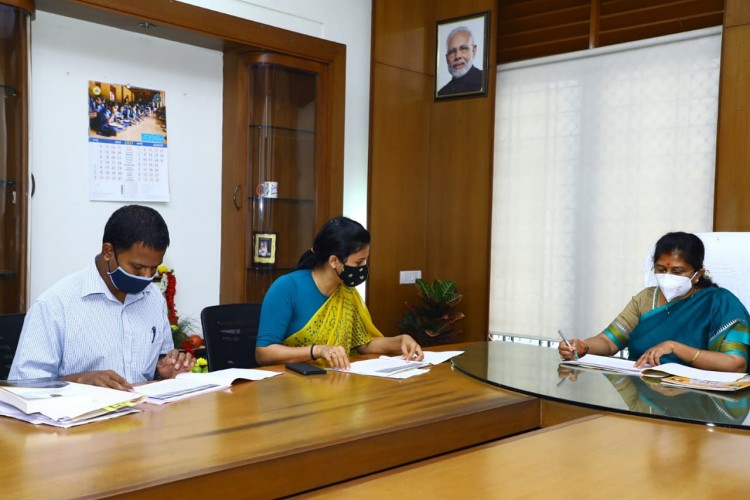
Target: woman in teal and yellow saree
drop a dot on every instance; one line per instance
(685, 319)
(316, 314)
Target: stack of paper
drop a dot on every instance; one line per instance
(673, 374)
(398, 367)
(65, 404)
(186, 385)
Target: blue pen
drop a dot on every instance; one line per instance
(153, 334)
(568, 343)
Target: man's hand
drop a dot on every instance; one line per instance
(104, 378)
(175, 362)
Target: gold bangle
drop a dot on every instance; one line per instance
(696, 356)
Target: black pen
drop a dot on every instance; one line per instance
(153, 334)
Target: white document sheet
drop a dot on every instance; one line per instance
(399, 368)
(188, 384)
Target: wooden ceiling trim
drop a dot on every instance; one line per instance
(614, 37)
(514, 9)
(655, 14)
(547, 35)
(543, 49)
(540, 20)
(673, 6)
(536, 28)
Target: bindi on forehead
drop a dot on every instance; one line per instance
(672, 259)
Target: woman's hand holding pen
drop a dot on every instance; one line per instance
(576, 349)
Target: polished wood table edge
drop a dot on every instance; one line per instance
(327, 465)
(688, 452)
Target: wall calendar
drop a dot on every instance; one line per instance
(128, 158)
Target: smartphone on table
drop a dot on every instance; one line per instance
(305, 369)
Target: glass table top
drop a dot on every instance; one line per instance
(536, 371)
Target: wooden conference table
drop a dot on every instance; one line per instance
(649, 442)
(275, 437)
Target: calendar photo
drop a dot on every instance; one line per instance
(127, 143)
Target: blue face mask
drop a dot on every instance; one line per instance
(126, 282)
(354, 276)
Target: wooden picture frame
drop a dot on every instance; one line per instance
(461, 55)
(264, 248)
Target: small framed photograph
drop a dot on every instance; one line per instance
(461, 56)
(264, 248)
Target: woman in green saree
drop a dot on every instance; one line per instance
(315, 312)
(686, 319)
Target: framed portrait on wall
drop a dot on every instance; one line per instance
(264, 248)
(462, 49)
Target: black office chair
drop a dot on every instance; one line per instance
(10, 332)
(230, 331)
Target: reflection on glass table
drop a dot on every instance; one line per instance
(536, 370)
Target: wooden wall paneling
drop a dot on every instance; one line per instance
(27, 5)
(430, 170)
(737, 13)
(534, 28)
(404, 38)
(460, 204)
(532, 51)
(731, 203)
(668, 27)
(398, 188)
(528, 8)
(627, 14)
(460, 186)
(537, 28)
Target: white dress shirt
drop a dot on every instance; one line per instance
(77, 325)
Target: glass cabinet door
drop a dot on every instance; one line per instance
(281, 171)
(13, 157)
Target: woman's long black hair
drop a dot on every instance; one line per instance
(340, 236)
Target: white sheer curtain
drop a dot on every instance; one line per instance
(597, 155)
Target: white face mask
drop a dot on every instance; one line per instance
(674, 285)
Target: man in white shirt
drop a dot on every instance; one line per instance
(107, 324)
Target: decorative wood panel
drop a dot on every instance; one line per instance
(27, 5)
(731, 203)
(737, 13)
(398, 187)
(403, 38)
(460, 202)
(430, 168)
(536, 28)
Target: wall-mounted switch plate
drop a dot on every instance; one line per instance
(409, 277)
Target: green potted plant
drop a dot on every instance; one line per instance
(433, 322)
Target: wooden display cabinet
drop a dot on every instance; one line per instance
(14, 173)
(283, 107)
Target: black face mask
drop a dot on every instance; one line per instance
(126, 282)
(353, 276)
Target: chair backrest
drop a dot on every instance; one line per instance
(727, 262)
(230, 331)
(10, 332)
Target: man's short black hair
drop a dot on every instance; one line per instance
(133, 224)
